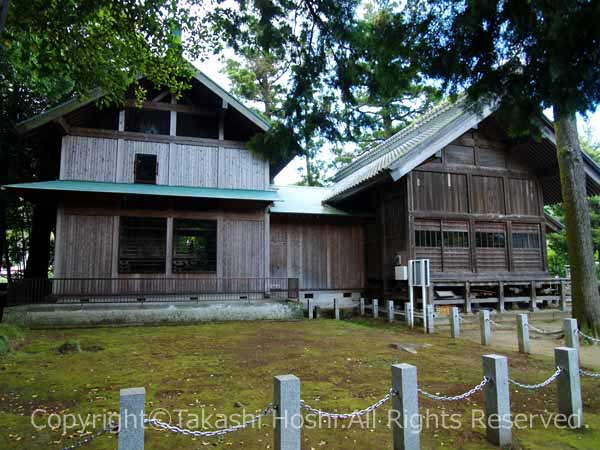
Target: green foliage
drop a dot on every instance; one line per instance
(10, 335)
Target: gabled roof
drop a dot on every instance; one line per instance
(429, 134)
(78, 102)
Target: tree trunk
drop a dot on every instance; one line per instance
(38, 259)
(584, 280)
(3, 13)
(309, 180)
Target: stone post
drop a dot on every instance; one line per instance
(523, 333)
(501, 307)
(454, 322)
(336, 309)
(310, 307)
(391, 311)
(361, 306)
(375, 308)
(288, 421)
(533, 305)
(408, 314)
(430, 311)
(486, 327)
(131, 419)
(497, 400)
(569, 386)
(468, 309)
(571, 333)
(404, 414)
(563, 295)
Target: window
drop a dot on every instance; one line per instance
(526, 240)
(485, 239)
(427, 238)
(146, 168)
(456, 239)
(194, 246)
(142, 245)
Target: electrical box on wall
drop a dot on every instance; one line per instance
(401, 273)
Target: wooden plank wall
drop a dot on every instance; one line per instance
(112, 160)
(322, 255)
(87, 243)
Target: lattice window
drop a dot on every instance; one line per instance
(142, 245)
(194, 246)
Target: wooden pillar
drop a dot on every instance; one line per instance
(468, 309)
(533, 296)
(501, 296)
(563, 295)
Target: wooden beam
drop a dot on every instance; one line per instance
(188, 109)
(63, 124)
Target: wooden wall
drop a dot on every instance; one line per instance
(87, 242)
(321, 253)
(179, 164)
(478, 184)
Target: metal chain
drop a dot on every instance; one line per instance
(462, 319)
(589, 374)
(357, 413)
(588, 337)
(86, 440)
(505, 327)
(541, 385)
(542, 331)
(453, 398)
(196, 433)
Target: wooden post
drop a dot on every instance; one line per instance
(533, 297)
(131, 422)
(390, 311)
(309, 305)
(569, 386)
(501, 308)
(430, 311)
(361, 306)
(404, 414)
(454, 322)
(563, 295)
(485, 324)
(375, 308)
(497, 400)
(571, 333)
(408, 314)
(523, 333)
(336, 309)
(468, 309)
(286, 400)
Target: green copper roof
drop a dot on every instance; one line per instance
(146, 189)
(306, 200)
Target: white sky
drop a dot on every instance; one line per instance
(289, 175)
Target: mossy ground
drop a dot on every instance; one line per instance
(343, 366)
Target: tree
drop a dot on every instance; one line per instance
(533, 55)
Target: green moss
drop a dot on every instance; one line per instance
(10, 337)
(71, 346)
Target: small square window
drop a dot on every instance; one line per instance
(146, 168)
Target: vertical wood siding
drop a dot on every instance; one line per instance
(524, 198)
(91, 159)
(112, 160)
(243, 248)
(321, 255)
(488, 195)
(437, 191)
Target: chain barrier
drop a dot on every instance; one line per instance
(462, 319)
(588, 337)
(503, 327)
(542, 331)
(454, 398)
(587, 373)
(541, 385)
(196, 433)
(86, 440)
(351, 415)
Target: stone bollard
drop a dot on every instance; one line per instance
(405, 408)
(310, 308)
(454, 322)
(486, 329)
(563, 295)
(361, 306)
(408, 314)
(336, 309)
(497, 400)
(287, 418)
(391, 311)
(430, 311)
(375, 308)
(523, 333)
(131, 422)
(317, 310)
(569, 386)
(571, 330)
